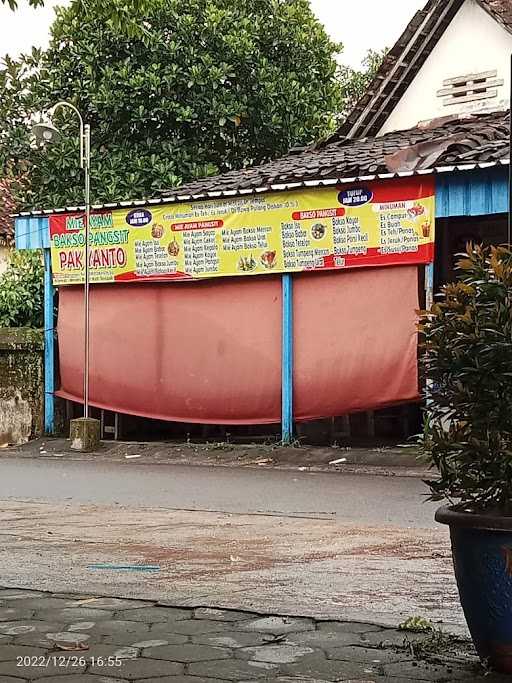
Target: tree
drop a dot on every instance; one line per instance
(217, 86)
(354, 82)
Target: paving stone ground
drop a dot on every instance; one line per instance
(56, 638)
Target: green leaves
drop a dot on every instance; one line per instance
(21, 291)
(467, 361)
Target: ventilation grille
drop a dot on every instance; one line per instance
(470, 88)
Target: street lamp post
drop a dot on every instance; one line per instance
(46, 132)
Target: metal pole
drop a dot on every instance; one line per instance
(287, 361)
(85, 163)
(429, 300)
(87, 167)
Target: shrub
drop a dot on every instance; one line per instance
(467, 359)
(22, 291)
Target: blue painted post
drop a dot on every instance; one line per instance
(287, 361)
(49, 347)
(429, 285)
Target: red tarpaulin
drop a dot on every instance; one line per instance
(190, 352)
(210, 352)
(355, 340)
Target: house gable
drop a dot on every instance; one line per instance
(468, 71)
(490, 21)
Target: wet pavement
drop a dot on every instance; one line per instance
(90, 639)
(325, 545)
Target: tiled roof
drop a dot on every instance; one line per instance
(453, 142)
(7, 208)
(443, 145)
(406, 58)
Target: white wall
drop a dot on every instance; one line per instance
(473, 43)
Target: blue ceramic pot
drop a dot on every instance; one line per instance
(482, 559)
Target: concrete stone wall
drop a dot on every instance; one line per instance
(21, 385)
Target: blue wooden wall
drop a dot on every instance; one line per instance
(32, 232)
(472, 193)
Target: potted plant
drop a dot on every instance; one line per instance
(467, 359)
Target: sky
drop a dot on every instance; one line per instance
(358, 25)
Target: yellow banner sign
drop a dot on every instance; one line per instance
(371, 224)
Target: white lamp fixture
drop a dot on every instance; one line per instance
(45, 132)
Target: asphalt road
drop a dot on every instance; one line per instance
(363, 500)
(328, 545)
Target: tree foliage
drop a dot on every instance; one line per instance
(209, 86)
(16, 108)
(22, 291)
(468, 364)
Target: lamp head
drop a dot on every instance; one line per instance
(45, 132)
